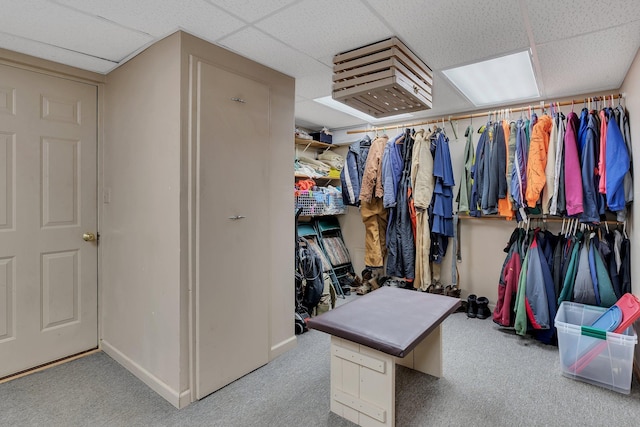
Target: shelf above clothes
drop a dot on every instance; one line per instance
(300, 175)
(312, 143)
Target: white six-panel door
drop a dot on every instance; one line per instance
(48, 273)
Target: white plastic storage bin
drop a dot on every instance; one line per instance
(594, 356)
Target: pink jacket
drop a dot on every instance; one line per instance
(572, 176)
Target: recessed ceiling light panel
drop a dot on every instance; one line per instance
(337, 105)
(499, 80)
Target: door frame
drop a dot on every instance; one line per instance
(53, 69)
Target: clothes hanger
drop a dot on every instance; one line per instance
(453, 129)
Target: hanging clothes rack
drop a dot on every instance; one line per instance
(528, 108)
(558, 219)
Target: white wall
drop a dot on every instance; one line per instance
(631, 88)
(140, 235)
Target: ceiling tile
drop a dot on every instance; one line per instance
(251, 11)
(456, 32)
(327, 60)
(56, 54)
(447, 99)
(323, 28)
(161, 17)
(315, 85)
(568, 20)
(588, 63)
(266, 50)
(59, 26)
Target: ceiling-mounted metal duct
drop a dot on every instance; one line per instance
(382, 79)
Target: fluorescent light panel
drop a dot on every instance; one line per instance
(337, 105)
(498, 80)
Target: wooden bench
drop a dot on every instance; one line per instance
(372, 333)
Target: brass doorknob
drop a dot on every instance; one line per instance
(89, 237)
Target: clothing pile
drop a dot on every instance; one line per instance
(578, 166)
(588, 265)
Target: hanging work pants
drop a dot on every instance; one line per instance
(423, 246)
(374, 217)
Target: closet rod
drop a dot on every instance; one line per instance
(531, 218)
(486, 113)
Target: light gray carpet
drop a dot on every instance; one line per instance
(491, 378)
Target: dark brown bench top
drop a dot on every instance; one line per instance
(391, 320)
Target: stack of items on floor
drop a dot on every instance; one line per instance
(403, 187)
(323, 266)
(578, 166)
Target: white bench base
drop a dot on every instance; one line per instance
(363, 380)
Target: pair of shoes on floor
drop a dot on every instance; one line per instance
(452, 291)
(394, 282)
(436, 288)
(478, 307)
(369, 281)
(365, 288)
(462, 308)
(355, 281)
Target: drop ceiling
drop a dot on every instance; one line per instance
(578, 47)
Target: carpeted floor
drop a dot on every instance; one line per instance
(491, 378)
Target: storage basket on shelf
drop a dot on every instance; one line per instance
(592, 355)
(323, 201)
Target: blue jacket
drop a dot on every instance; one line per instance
(495, 187)
(536, 288)
(351, 174)
(442, 212)
(588, 164)
(584, 115)
(617, 165)
(477, 172)
(392, 164)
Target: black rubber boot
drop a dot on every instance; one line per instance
(483, 308)
(472, 306)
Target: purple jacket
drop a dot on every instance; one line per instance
(572, 173)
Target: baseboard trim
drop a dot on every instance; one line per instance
(45, 366)
(184, 399)
(282, 347)
(179, 400)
